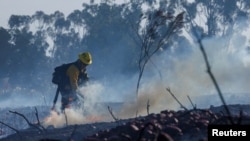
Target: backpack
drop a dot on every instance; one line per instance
(59, 75)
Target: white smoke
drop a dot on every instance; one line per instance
(229, 60)
(184, 76)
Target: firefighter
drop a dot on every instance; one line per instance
(76, 75)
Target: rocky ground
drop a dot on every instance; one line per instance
(183, 125)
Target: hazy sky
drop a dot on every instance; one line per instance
(29, 7)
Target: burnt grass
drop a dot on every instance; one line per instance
(168, 125)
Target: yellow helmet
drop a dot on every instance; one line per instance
(85, 58)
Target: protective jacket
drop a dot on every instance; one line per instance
(76, 75)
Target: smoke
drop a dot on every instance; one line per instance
(229, 60)
(189, 77)
(20, 97)
(70, 117)
(90, 108)
(185, 74)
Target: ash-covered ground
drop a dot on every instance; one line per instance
(167, 125)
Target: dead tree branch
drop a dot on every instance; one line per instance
(11, 128)
(194, 106)
(37, 117)
(148, 105)
(240, 117)
(199, 35)
(214, 80)
(159, 28)
(29, 123)
(112, 114)
(18, 133)
(168, 89)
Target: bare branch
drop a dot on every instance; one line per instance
(10, 127)
(29, 123)
(214, 80)
(37, 117)
(148, 105)
(199, 36)
(240, 117)
(18, 133)
(110, 111)
(157, 31)
(168, 89)
(194, 106)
